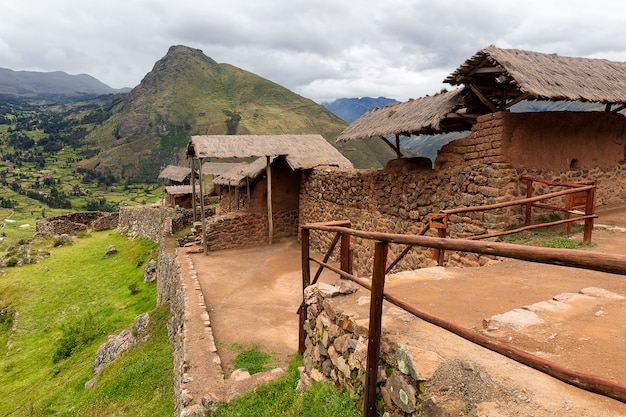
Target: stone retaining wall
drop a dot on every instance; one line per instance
(73, 223)
(244, 228)
(336, 350)
(149, 222)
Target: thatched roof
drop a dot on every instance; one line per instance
(175, 173)
(300, 151)
(539, 76)
(237, 175)
(218, 168)
(180, 189)
(426, 115)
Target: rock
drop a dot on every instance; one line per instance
(516, 319)
(402, 393)
(345, 286)
(241, 374)
(327, 290)
(549, 305)
(110, 251)
(419, 363)
(601, 293)
(149, 271)
(91, 383)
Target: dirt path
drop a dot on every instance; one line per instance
(251, 296)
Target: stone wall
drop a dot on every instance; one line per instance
(399, 202)
(243, 228)
(73, 223)
(336, 350)
(149, 222)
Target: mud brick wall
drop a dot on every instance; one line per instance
(243, 228)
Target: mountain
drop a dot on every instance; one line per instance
(32, 83)
(188, 93)
(350, 109)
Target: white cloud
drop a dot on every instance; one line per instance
(323, 50)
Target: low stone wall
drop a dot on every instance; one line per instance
(244, 228)
(336, 350)
(73, 223)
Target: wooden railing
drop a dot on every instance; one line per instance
(577, 196)
(343, 232)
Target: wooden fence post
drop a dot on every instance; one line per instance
(306, 281)
(590, 205)
(346, 254)
(375, 328)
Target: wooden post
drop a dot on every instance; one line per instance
(346, 254)
(375, 328)
(237, 196)
(306, 281)
(270, 220)
(529, 205)
(248, 190)
(193, 189)
(590, 208)
(204, 246)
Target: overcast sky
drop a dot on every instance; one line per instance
(321, 49)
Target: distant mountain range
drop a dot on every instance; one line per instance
(350, 109)
(32, 83)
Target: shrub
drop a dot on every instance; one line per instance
(76, 335)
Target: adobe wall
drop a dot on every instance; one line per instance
(556, 141)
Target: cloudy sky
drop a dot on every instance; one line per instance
(321, 49)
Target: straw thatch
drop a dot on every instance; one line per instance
(238, 174)
(180, 189)
(300, 151)
(218, 168)
(175, 173)
(540, 76)
(426, 115)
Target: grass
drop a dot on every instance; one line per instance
(252, 359)
(66, 307)
(549, 237)
(280, 398)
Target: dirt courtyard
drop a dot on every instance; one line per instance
(252, 296)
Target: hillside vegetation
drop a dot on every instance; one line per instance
(55, 314)
(187, 93)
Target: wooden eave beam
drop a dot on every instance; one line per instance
(485, 100)
(516, 100)
(392, 146)
(619, 109)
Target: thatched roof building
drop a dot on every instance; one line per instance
(218, 168)
(495, 79)
(426, 115)
(176, 174)
(239, 173)
(300, 151)
(516, 75)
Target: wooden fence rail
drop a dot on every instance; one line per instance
(615, 264)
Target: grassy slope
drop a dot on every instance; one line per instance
(187, 93)
(76, 281)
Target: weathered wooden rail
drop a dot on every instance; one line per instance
(577, 196)
(615, 264)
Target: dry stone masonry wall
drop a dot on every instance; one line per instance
(399, 202)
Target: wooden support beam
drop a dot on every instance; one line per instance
(482, 98)
(270, 220)
(193, 189)
(204, 243)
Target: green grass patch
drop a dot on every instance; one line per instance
(549, 237)
(280, 398)
(66, 307)
(252, 359)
